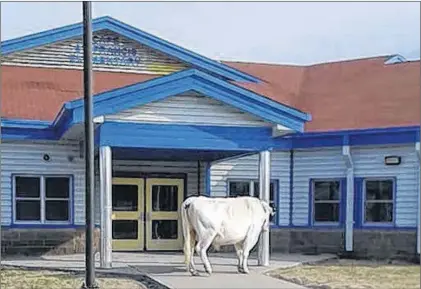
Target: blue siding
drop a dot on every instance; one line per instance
(26, 158)
(313, 164)
(369, 162)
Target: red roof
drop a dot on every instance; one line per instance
(363, 93)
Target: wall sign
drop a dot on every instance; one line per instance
(107, 50)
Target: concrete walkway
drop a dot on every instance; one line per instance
(169, 269)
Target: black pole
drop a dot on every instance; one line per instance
(198, 178)
(89, 147)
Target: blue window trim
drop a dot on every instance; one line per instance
(342, 204)
(24, 224)
(359, 203)
(133, 33)
(208, 178)
(276, 193)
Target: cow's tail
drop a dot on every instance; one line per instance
(267, 208)
(188, 232)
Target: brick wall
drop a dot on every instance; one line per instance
(372, 244)
(368, 244)
(45, 241)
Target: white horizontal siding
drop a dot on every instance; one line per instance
(189, 168)
(369, 162)
(308, 164)
(248, 168)
(59, 54)
(27, 158)
(189, 108)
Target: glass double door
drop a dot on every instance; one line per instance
(145, 214)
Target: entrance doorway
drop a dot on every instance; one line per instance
(145, 214)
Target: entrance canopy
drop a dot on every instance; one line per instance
(109, 104)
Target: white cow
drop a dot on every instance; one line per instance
(222, 221)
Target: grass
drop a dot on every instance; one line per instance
(28, 279)
(352, 274)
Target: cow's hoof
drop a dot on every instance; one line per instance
(208, 271)
(240, 270)
(195, 273)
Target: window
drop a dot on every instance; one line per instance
(326, 201)
(251, 188)
(378, 200)
(42, 199)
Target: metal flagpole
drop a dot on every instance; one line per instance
(89, 148)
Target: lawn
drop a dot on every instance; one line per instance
(28, 279)
(352, 274)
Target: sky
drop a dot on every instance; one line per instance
(272, 32)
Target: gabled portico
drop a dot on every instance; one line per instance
(188, 115)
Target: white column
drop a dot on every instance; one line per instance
(105, 170)
(417, 148)
(264, 193)
(349, 215)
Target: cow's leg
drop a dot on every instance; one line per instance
(251, 240)
(239, 250)
(192, 266)
(201, 248)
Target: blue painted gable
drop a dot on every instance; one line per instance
(111, 24)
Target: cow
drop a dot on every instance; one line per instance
(234, 221)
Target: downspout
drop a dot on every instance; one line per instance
(349, 215)
(291, 186)
(417, 149)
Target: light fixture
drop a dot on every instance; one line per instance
(392, 160)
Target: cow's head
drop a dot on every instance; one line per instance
(268, 213)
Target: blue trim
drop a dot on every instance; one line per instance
(376, 136)
(22, 224)
(291, 185)
(108, 23)
(208, 178)
(124, 98)
(342, 203)
(39, 130)
(45, 226)
(210, 138)
(277, 201)
(359, 201)
(24, 123)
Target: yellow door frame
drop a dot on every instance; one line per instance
(163, 244)
(134, 244)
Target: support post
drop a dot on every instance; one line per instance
(349, 215)
(417, 148)
(89, 149)
(264, 193)
(105, 170)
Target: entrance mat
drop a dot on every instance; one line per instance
(126, 272)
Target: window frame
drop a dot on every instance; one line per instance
(251, 182)
(43, 200)
(363, 202)
(342, 199)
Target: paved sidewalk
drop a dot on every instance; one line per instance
(169, 269)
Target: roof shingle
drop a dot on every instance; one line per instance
(356, 94)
